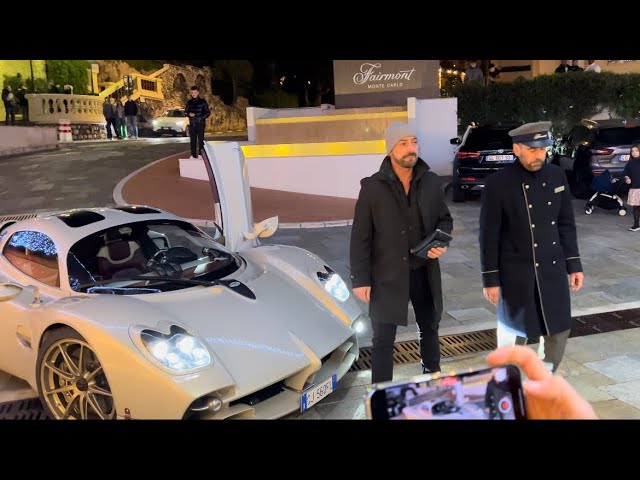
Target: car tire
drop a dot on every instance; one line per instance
(70, 388)
(457, 194)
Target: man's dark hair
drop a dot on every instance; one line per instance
(195, 87)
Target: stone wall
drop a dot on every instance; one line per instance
(177, 81)
(88, 132)
(83, 131)
(114, 70)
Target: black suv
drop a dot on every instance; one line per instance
(594, 146)
(483, 151)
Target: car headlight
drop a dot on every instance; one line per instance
(180, 123)
(334, 284)
(178, 350)
(154, 123)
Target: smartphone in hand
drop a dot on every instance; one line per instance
(485, 394)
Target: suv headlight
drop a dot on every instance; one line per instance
(334, 284)
(178, 350)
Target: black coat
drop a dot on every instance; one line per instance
(380, 242)
(528, 245)
(199, 107)
(632, 170)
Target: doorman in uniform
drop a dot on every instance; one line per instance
(528, 246)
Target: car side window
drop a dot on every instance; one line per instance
(35, 255)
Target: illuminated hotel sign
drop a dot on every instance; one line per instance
(377, 83)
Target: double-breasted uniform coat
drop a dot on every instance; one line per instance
(528, 245)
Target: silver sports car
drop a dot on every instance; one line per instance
(133, 312)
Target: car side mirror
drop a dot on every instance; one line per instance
(263, 229)
(455, 141)
(9, 291)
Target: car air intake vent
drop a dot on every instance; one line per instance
(17, 217)
(137, 209)
(261, 395)
(79, 218)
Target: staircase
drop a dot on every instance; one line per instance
(144, 87)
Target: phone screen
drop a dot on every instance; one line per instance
(487, 394)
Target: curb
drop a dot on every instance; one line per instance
(117, 191)
(203, 222)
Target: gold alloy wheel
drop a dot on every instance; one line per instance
(72, 382)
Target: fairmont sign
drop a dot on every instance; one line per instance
(370, 74)
(391, 81)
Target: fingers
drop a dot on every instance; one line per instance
(492, 295)
(436, 252)
(576, 280)
(523, 357)
(363, 293)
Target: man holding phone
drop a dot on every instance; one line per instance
(396, 209)
(529, 247)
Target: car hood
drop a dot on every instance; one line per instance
(171, 120)
(286, 329)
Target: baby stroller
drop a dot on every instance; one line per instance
(606, 194)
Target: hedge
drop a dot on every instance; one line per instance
(564, 99)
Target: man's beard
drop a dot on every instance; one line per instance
(408, 160)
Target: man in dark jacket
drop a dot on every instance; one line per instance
(109, 112)
(131, 112)
(198, 110)
(398, 207)
(528, 246)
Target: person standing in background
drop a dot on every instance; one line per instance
(198, 111)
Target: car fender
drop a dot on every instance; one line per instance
(105, 322)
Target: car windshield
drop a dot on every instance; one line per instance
(147, 257)
(488, 139)
(611, 137)
(173, 113)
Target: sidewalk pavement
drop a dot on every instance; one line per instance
(604, 368)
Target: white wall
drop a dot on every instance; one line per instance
(437, 123)
(254, 113)
(334, 176)
(12, 136)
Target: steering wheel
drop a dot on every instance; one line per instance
(155, 258)
(160, 264)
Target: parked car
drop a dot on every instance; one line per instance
(172, 122)
(133, 312)
(594, 146)
(482, 151)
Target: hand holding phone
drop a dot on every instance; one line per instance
(548, 397)
(485, 394)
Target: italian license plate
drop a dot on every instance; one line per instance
(499, 158)
(624, 158)
(314, 394)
